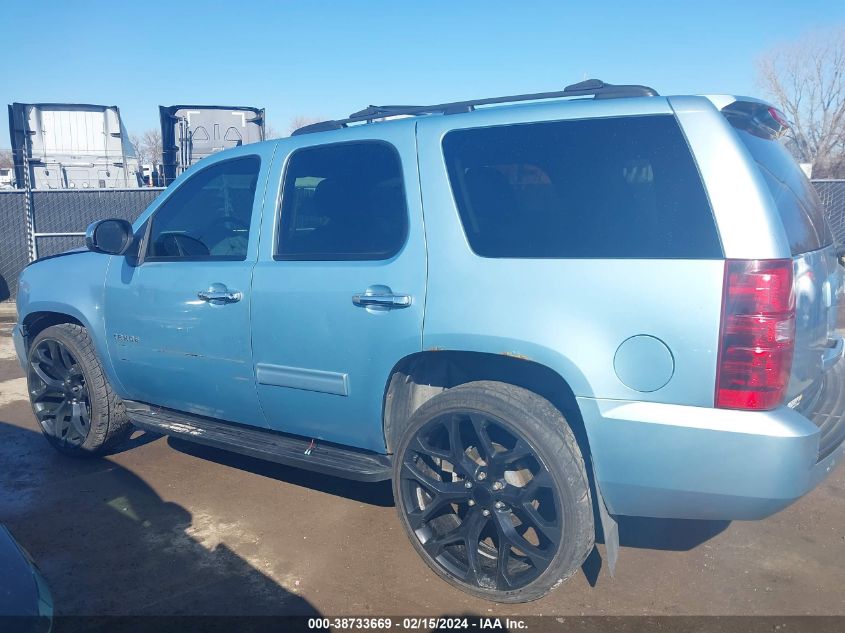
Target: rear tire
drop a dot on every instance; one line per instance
(71, 398)
(492, 491)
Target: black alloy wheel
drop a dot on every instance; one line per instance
(480, 501)
(59, 393)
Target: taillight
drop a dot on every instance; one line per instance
(757, 336)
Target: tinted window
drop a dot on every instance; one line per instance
(799, 206)
(610, 188)
(344, 201)
(208, 216)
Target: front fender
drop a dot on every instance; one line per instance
(72, 285)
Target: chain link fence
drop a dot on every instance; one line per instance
(832, 193)
(13, 241)
(59, 218)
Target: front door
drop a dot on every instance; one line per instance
(338, 295)
(177, 319)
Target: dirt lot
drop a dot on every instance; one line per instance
(167, 527)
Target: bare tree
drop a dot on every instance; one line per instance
(136, 143)
(806, 78)
(148, 146)
(270, 131)
(6, 158)
(152, 145)
(301, 121)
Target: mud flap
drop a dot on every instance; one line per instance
(610, 529)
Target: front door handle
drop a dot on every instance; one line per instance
(219, 293)
(381, 298)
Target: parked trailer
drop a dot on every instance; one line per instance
(71, 146)
(7, 178)
(189, 133)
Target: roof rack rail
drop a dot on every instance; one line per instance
(595, 87)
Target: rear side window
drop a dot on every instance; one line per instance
(611, 188)
(799, 206)
(343, 201)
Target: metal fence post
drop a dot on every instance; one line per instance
(29, 209)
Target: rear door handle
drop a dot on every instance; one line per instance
(381, 298)
(219, 294)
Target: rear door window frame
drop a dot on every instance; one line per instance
(332, 257)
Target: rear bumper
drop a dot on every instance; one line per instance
(673, 461)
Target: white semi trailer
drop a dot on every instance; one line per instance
(71, 146)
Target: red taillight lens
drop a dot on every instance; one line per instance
(757, 336)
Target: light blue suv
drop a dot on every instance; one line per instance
(598, 298)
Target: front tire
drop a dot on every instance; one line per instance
(492, 491)
(71, 398)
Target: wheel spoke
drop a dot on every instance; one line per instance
(486, 448)
(42, 357)
(539, 557)
(56, 355)
(455, 454)
(418, 445)
(516, 495)
(60, 424)
(434, 546)
(67, 360)
(77, 419)
(503, 557)
(519, 451)
(453, 426)
(61, 410)
(443, 493)
(450, 489)
(474, 524)
(39, 391)
(529, 515)
(49, 381)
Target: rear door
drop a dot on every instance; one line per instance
(338, 295)
(816, 271)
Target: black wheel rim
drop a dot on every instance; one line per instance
(59, 393)
(481, 502)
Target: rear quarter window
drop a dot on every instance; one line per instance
(623, 187)
(800, 209)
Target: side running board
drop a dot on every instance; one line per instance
(329, 459)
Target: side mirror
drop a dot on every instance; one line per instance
(112, 237)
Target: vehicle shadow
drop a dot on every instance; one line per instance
(634, 532)
(676, 535)
(376, 493)
(108, 544)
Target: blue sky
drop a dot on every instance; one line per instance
(331, 58)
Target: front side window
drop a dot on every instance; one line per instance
(622, 187)
(208, 217)
(343, 202)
